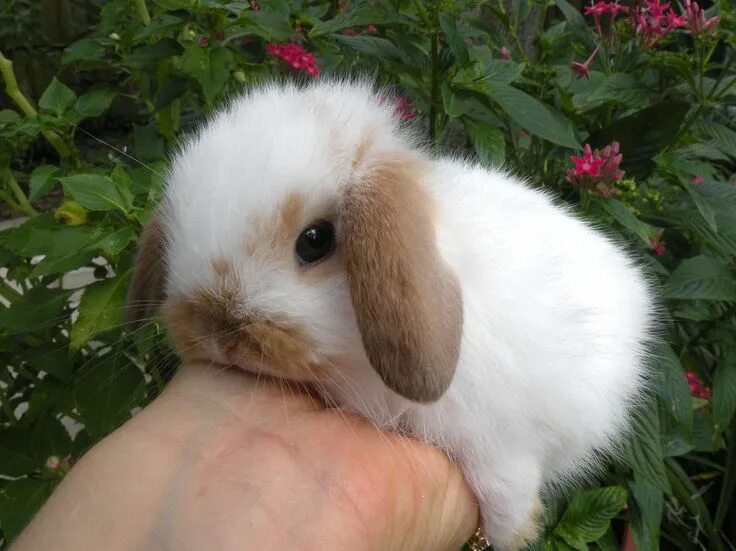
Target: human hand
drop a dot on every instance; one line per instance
(223, 461)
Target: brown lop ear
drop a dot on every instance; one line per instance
(406, 298)
(146, 290)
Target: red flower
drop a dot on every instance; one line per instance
(581, 69)
(349, 31)
(696, 21)
(371, 29)
(656, 245)
(203, 41)
(254, 5)
(505, 54)
(587, 164)
(597, 169)
(404, 108)
(697, 388)
(600, 9)
(655, 21)
(697, 180)
(296, 56)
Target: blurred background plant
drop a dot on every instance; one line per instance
(626, 111)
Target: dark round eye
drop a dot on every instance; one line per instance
(315, 242)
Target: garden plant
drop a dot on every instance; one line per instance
(626, 111)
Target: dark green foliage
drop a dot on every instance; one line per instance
(106, 90)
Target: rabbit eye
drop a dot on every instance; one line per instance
(315, 242)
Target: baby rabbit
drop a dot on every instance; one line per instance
(305, 235)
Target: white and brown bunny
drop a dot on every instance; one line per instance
(305, 235)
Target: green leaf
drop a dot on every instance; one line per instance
(113, 243)
(575, 20)
(49, 437)
(57, 98)
(145, 57)
(703, 206)
(648, 505)
(97, 192)
(644, 446)
(530, 114)
(362, 15)
(19, 502)
(100, 309)
(39, 309)
(94, 103)
(160, 25)
(16, 456)
(643, 135)
(86, 49)
(210, 67)
(589, 515)
(174, 5)
(724, 390)
(701, 278)
(456, 42)
(621, 213)
(372, 46)
(42, 179)
(107, 392)
(8, 116)
(488, 141)
(672, 386)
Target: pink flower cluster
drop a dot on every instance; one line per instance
(599, 9)
(597, 169)
(296, 56)
(697, 388)
(696, 21)
(654, 21)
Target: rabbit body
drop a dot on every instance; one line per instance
(556, 321)
(555, 316)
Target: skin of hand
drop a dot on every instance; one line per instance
(222, 460)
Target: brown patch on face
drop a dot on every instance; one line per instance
(222, 268)
(147, 288)
(210, 324)
(407, 300)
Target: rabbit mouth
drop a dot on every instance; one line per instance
(277, 347)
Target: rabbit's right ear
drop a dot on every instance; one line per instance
(146, 291)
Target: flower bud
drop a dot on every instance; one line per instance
(71, 213)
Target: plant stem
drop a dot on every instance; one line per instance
(12, 89)
(729, 480)
(24, 204)
(142, 11)
(6, 407)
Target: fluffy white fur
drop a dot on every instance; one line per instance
(556, 316)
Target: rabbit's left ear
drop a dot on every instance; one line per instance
(406, 298)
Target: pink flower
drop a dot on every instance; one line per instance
(697, 180)
(656, 245)
(655, 21)
(697, 388)
(505, 54)
(203, 41)
(296, 56)
(597, 169)
(696, 21)
(404, 108)
(587, 164)
(581, 69)
(600, 9)
(254, 5)
(349, 31)
(371, 29)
